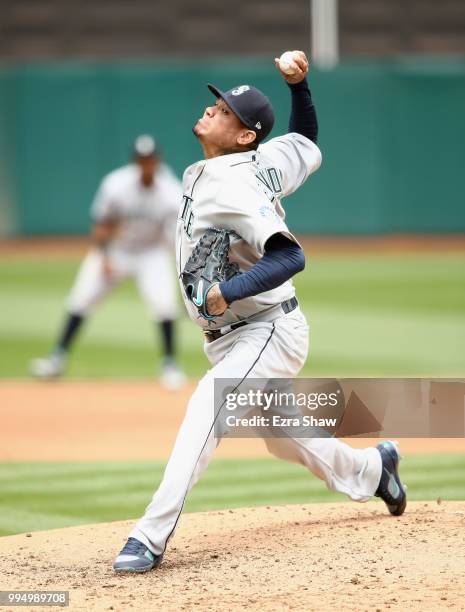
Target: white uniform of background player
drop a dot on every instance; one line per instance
(134, 212)
(242, 192)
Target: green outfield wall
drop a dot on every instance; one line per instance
(392, 137)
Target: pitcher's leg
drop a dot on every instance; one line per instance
(193, 449)
(355, 472)
(195, 442)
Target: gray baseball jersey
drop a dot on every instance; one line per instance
(242, 192)
(145, 215)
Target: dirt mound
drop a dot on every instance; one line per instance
(312, 557)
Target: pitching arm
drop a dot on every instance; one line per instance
(303, 119)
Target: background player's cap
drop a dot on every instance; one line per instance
(251, 106)
(145, 146)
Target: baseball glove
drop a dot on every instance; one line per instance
(208, 265)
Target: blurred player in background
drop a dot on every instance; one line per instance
(134, 215)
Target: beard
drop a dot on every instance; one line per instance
(195, 130)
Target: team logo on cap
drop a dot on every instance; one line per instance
(258, 125)
(240, 90)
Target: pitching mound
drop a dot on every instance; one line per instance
(313, 557)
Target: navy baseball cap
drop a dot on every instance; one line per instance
(251, 106)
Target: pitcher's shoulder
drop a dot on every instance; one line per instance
(290, 140)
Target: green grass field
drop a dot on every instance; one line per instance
(37, 496)
(370, 315)
(374, 315)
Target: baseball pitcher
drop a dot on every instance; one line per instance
(245, 304)
(134, 214)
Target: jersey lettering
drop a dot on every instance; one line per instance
(271, 179)
(187, 215)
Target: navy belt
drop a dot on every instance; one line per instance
(214, 334)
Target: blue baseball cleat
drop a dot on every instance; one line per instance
(135, 557)
(390, 488)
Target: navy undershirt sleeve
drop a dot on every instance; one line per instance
(303, 119)
(282, 259)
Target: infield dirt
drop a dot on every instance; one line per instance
(92, 421)
(312, 557)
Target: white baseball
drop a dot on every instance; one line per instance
(287, 63)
